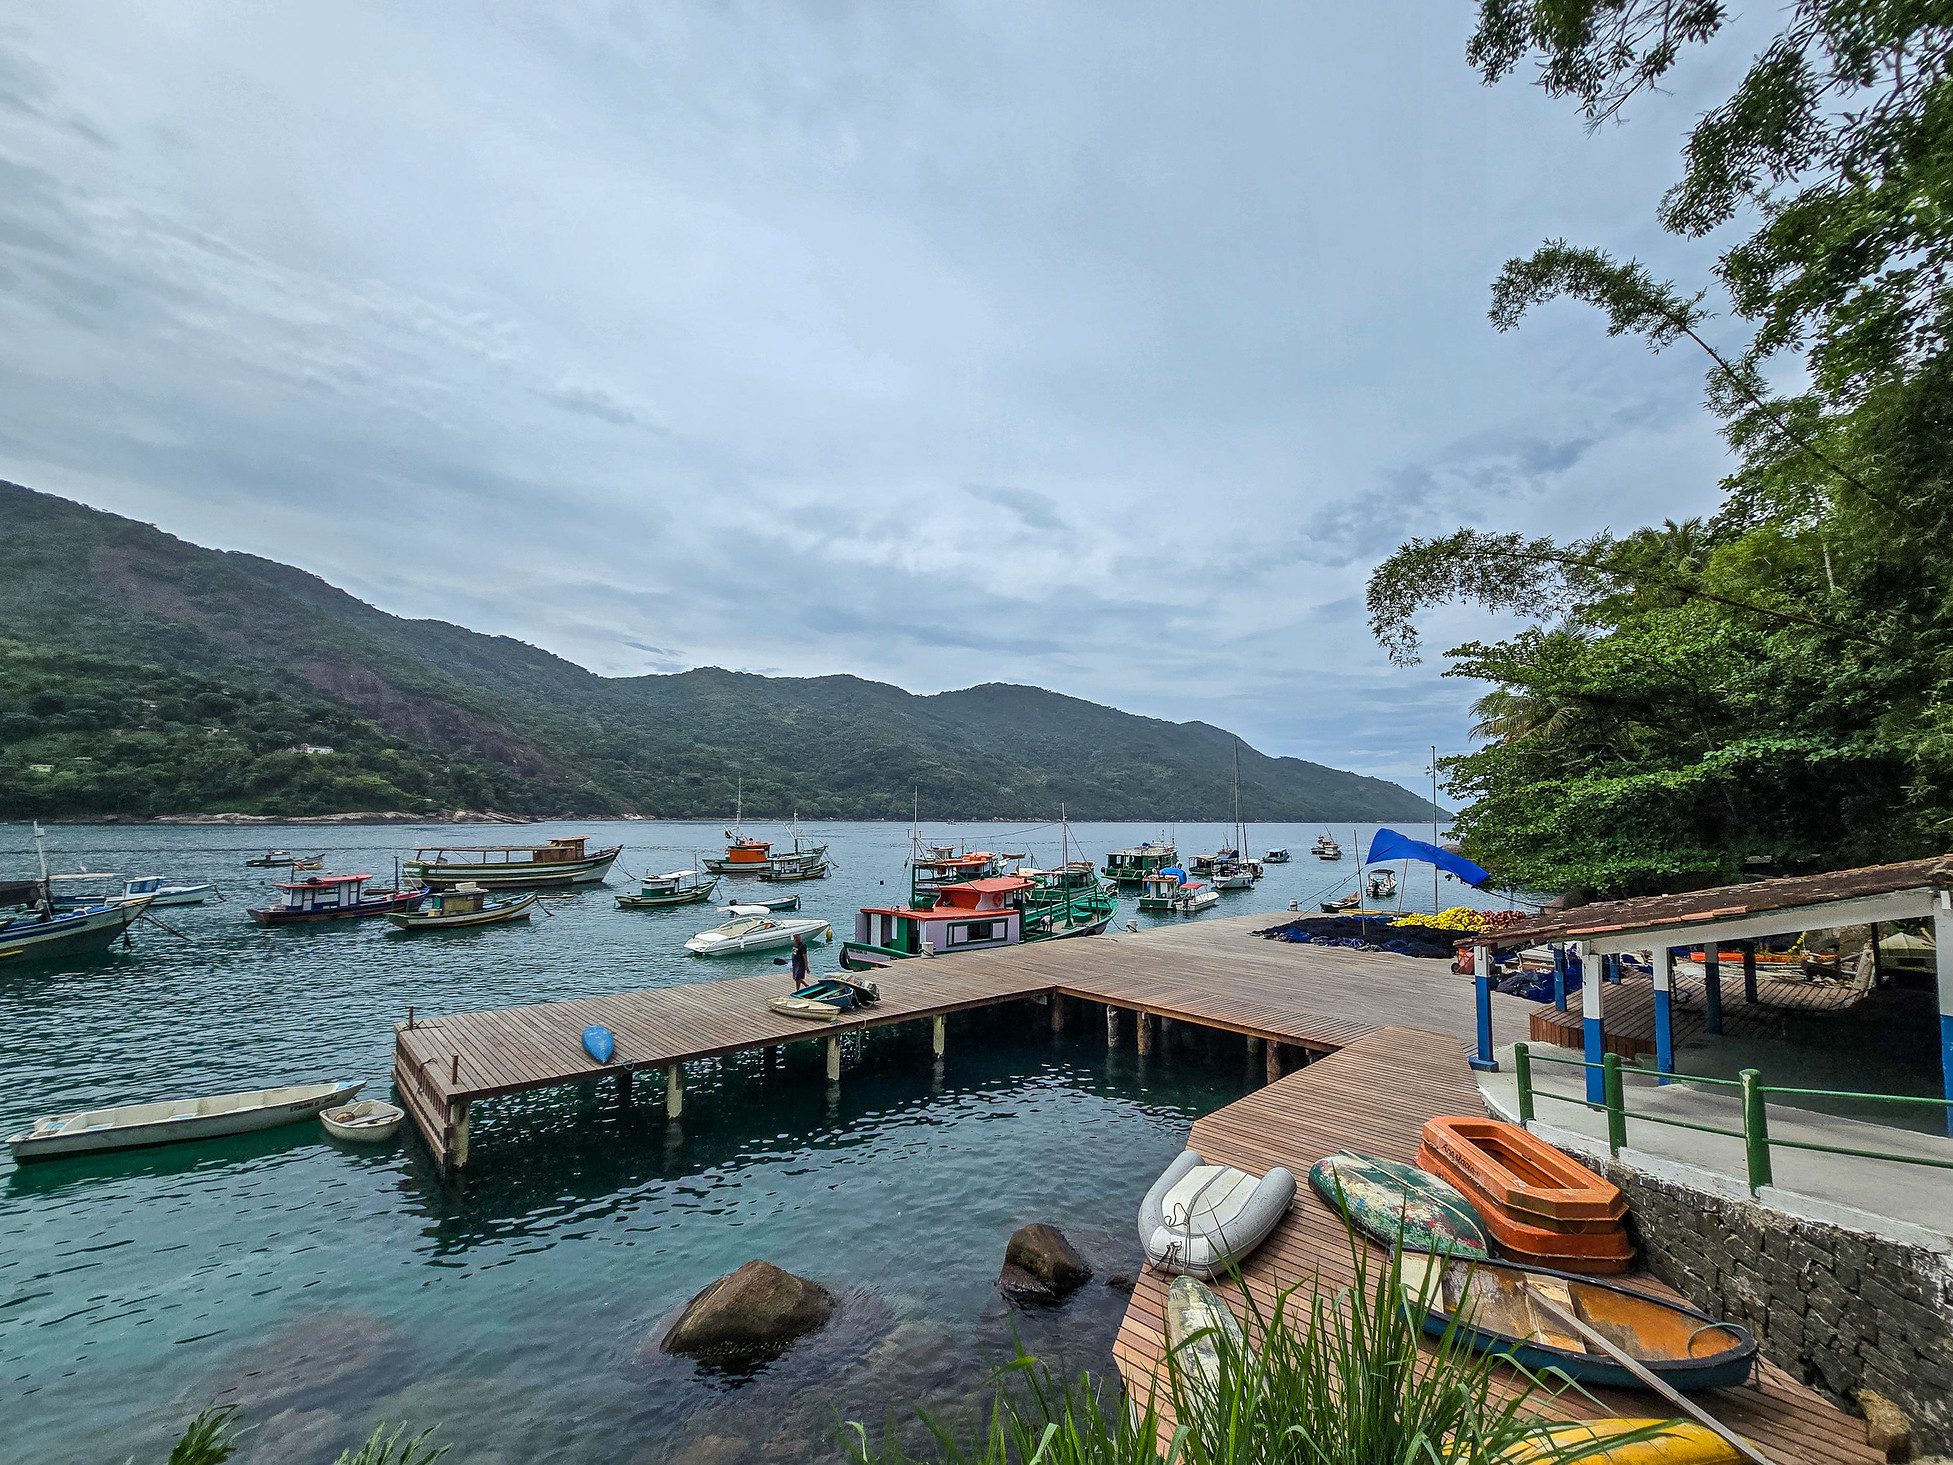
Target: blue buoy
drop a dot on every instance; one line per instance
(599, 1042)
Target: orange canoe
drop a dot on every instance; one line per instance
(1596, 1253)
(1521, 1172)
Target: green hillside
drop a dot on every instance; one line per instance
(141, 675)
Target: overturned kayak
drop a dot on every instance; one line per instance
(1395, 1204)
(1625, 1442)
(1198, 1219)
(1504, 1308)
(1200, 1329)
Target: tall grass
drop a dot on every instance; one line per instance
(213, 1437)
(1323, 1378)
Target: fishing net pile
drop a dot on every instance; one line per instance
(1404, 936)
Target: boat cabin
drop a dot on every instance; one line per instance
(669, 884)
(320, 893)
(938, 869)
(969, 915)
(1130, 866)
(462, 900)
(568, 849)
(1159, 890)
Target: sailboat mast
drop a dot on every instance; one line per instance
(1436, 905)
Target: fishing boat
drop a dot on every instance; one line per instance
(463, 908)
(316, 862)
(1519, 1312)
(42, 932)
(334, 898)
(363, 1122)
(774, 902)
(567, 860)
(271, 859)
(1231, 868)
(1204, 864)
(169, 1121)
(164, 892)
(1158, 890)
(745, 856)
(74, 889)
(787, 871)
(1276, 857)
(1328, 850)
(676, 887)
(1193, 897)
(828, 999)
(1381, 885)
(1131, 866)
(753, 928)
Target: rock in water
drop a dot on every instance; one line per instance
(749, 1316)
(1040, 1265)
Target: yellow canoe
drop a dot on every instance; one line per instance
(1678, 1443)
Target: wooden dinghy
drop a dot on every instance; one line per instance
(1602, 1252)
(1200, 1219)
(170, 1121)
(463, 908)
(828, 999)
(1519, 1171)
(1505, 1308)
(363, 1122)
(1199, 1328)
(1395, 1204)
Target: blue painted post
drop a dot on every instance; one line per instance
(1664, 1017)
(1711, 987)
(1483, 1061)
(1559, 977)
(1593, 1035)
(1943, 936)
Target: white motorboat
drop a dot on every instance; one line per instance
(168, 1121)
(1194, 898)
(754, 928)
(363, 1122)
(162, 892)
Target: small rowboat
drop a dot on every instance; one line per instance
(1519, 1171)
(1602, 1251)
(366, 1122)
(1396, 1204)
(1508, 1309)
(827, 999)
(132, 1126)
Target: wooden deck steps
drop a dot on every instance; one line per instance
(1374, 1096)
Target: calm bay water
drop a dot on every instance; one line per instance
(326, 1289)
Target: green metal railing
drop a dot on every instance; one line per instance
(1755, 1133)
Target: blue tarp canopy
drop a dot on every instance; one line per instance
(1388, 844)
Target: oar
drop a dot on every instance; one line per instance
(1648, 1378)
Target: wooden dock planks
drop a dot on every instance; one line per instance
(1374, 1096)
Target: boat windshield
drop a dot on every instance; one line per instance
(745, 926)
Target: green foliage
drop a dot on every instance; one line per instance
(398, 1448)
(210, 1439)
(1333, 1378)
(1771, 689)
(130, 646)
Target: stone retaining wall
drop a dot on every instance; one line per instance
(1840, 1309)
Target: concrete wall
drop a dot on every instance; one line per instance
(1840, 1309)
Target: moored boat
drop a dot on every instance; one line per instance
(1277, 857)
(828, 999)
(674, 888)
(363, 1122)
(566, 860)
(1517, 1311)
(1131, 866)
(50, 934)
(753, 928)
(164, 892)
(274, 859)
(463, 907)
(787, 871)
(334, 898)
(170, 1121)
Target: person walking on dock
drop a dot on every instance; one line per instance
(799, 966)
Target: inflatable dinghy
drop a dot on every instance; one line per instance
(1200, 1218)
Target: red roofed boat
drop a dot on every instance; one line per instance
(334, 898)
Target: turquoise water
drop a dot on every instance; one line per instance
(326, 1289)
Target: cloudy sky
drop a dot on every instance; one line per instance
(1104, 347)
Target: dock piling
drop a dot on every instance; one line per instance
(624, 1087)
(938, 1034)
(674, 1090)
(1111, 1026)
(1057, 1013)
(1142, 1033)
(458, 1133)
(834, 1059)
(1274, 1069)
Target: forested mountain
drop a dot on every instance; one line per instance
(143, 675)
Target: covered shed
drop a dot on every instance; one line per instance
(1915, 890)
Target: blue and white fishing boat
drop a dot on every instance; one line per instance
(39, 930)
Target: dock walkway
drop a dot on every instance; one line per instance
(1374, 1096)
(1215, 973)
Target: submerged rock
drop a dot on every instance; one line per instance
(298, 1437)
(1041, 1266)
(749, 1316)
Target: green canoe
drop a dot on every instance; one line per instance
(1389, 1202)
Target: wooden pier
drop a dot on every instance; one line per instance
(1374, 1096)
(1298, 1001)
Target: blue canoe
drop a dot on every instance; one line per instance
(599, 1042)
(1508, 1309)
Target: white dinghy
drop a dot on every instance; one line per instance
(169, 1121)
(1200, 1218)
(364, 1122)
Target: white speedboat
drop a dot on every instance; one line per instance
(130, 1126)
(1195, 898)
(754, 928)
